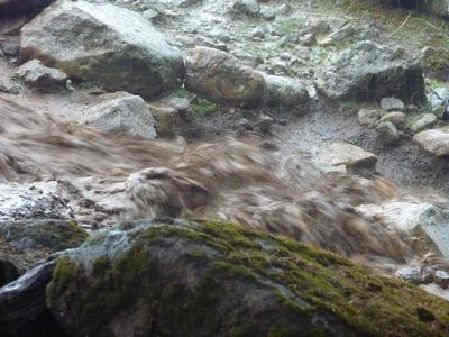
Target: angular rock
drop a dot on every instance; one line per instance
(369, 117)
(411, 274)
(442, 279)
(218, 77)
(367, 71)
(435, 141)
(41, 77)
(396, 117)
(249, 8)
(388, 132)
(166, 120)
(346, 34)
(353, 157)
(129, 276)
(286, 92)
(421, 122)
(122, 112)
(112, 46)
(439, 100)
(391, 104)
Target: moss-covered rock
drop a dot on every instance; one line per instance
(179, 278)
(436, 63)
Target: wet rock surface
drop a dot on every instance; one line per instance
(369, 71)
(121, 112)
(101, 48)
(233, 285)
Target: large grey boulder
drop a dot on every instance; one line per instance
(121, 112)
(115, 47)
(219, 77)
(367, 71)
(435, 141)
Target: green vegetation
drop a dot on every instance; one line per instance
(427, 29)
(233, 260)
(202, 108)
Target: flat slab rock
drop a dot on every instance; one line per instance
(353, 156)
(31, 201)
(435, 141)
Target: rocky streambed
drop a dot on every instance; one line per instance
(215, 168)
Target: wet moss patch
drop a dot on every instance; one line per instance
(192, 277)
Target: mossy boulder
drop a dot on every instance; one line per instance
(179, 278)
(54, 235)
(435, 63)
(23, 243)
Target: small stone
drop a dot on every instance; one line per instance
(442, 279)
(369, 117)
(396, 117)
(41, 77)
(410, 273)
(265, 124)
(387, 132)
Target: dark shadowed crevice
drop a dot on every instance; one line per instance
(8, 272)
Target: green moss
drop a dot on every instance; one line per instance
(65, 272)
(309, 282)
(202, 108)
(60, 234)
(436, 61)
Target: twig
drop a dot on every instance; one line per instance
(402, 24)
